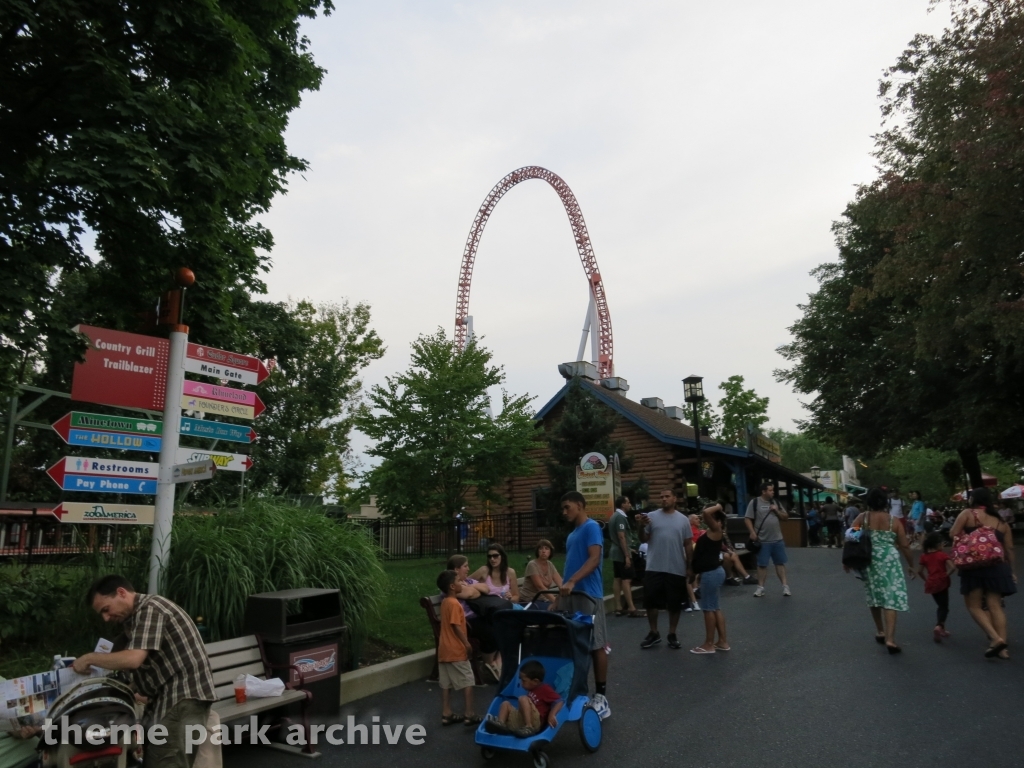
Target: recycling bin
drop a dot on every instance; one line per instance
(304, 627)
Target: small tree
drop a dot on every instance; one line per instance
(739, 407)
(585, 425)
(435, 436)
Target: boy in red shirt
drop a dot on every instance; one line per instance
(539, 705)
(453, 649)
(939, 566)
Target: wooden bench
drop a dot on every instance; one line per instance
(432, 605)
(245, 656)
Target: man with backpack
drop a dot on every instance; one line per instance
(764, 522)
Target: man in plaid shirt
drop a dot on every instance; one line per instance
(165, 659)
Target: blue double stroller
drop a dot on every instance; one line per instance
(562, 644)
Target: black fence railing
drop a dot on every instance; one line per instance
(411, 539)
(26, 539)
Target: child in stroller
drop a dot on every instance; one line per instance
(540, 704)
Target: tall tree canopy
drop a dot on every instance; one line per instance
(158, 128)
(916, 335)
(436, 439)
(740, 407)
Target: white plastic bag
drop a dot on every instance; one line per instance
(263, 689)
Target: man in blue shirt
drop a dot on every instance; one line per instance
(584, 552)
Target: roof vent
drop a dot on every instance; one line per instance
(615, 383)
(580, 368)
(653, 402)
(674, 412)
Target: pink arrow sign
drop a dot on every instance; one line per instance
(224, 395)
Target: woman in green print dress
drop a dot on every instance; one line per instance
(884, 584)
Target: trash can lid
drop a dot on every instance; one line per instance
(297, 594)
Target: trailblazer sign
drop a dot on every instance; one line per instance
(93, 438)
(233, 462)
(208, 361)
(121, 369)
(78, 512)
(217, 430)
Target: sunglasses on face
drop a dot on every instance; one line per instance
(494, 556)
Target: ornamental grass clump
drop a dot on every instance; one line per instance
(217, 561)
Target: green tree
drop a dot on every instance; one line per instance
(436, 439)
(914, 337)
(740, 407)
(709, 417)
(159, 129)
(311, 400)
(585, 424)
(800, 451)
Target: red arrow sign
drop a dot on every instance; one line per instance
(228, 359)
(247, 463)
(253, 437)
(62, 427)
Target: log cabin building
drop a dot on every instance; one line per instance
(663, 450)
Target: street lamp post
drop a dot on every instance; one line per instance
(693, 392)
(815, 474)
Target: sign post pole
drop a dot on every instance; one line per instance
(161, 549)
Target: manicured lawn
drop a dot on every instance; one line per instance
(402, 622)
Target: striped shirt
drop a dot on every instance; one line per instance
(176, 667)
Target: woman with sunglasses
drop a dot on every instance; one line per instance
(499, 578)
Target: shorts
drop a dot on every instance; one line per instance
(455, 675)
(620, 571)
(772, 550)
(590, 606)
(665, 591)
(710, 589)
(516, 719)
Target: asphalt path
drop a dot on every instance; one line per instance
(804, 685)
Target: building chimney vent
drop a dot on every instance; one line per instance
(674, 412)
(616, 384)
(655, 403)
(580, 368)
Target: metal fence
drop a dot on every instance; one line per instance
(411, 539)
(26, 539)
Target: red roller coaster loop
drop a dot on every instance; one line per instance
(606, 364)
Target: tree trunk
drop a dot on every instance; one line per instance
(972, 465)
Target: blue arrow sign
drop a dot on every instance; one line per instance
(104, 484)
(217, 430)
(120, 441)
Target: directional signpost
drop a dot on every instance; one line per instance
(229, 366)
(232, 462)
(197, 470)
(217, 430)
(121, 369)
(79, 473)
(105, 512)
(210, 398)
(141, 436)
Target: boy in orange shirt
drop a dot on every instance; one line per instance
(453, 649)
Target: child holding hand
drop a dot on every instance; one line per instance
(539, 706)
(938, 566)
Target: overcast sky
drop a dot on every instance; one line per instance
(710, 146)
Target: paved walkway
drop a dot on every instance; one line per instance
(805, 685)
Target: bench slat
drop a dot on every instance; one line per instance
(228, 675)
(228, 710)
(236, 659)
(234, 644)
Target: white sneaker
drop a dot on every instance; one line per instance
(759, 592)
(785, 591)
(696, 606)
(600, 704)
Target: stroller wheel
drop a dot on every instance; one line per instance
(487, 753)
(590, 729)
(541, 759)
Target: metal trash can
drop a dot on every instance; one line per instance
(303, 627)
